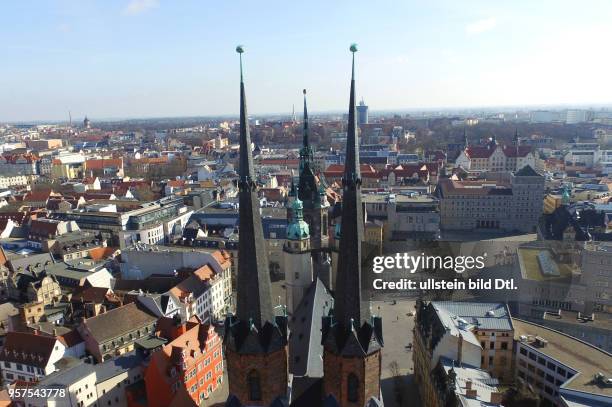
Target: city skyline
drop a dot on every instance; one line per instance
(140, 59)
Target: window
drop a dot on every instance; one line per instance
(254, 383)
(504, 345)
(20, 367)
(352, 383)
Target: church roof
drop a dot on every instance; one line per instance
(305, 325)
(254, 299)
(348, 305)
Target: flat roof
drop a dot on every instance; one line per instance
(531, 269)
(580, 356)
(602, 320)
(399, 198)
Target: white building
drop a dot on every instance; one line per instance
(563, 370)
(16, 180)
(84, 384)
(494, 157)
(29, 356)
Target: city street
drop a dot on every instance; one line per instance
(397, 387)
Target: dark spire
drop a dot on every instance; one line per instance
(516, 136)
(305, 140)
(308, 191)
(254, 302)
(351, 164)
(349, 310)
(465, 137)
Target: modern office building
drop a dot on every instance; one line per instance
(563, 370)
(362, 113)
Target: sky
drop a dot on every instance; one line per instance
(167, 58)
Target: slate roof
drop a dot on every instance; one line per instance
(481, 381)
(117, 322)
(527, 171)
(475, 313)
(305, 325)
(68, 376)
(118, 365)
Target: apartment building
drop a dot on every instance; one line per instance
(478, 335)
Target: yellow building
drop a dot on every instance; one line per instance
(69, 166)
(551, 202)
(374, 235)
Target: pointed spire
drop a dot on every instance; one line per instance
(307, 183)
(305, 140)
(516, 136)
(254, 301)
(246, 171)
(351, 166)
(348, 307)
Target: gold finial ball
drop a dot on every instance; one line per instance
(353, 48)
(240, 49)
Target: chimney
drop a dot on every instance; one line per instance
(496, 397)
(36, 332)
(468, 385)
(54, 332)
(472, 394)
(460, 349)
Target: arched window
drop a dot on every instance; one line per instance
(254, 383)
(352, 383)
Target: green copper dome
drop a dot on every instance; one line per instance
(566, 196)
(298, 228)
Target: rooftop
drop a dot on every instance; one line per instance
(532, 270)
(117, 322)
(588, 360)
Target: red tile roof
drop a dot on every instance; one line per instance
(71, 339)
(101, 163)
(337, 170)
(44, 227)
(511, 151)
(479, 151)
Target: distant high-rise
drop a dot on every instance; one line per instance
(86, 123)
(362, 113)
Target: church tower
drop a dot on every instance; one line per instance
(352, 338)
(298, 260)
(316, 206)
(256, 338)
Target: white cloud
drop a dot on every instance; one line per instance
(135, 7)
(480, 26)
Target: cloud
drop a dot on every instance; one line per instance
(481, 26)
(135, 7)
